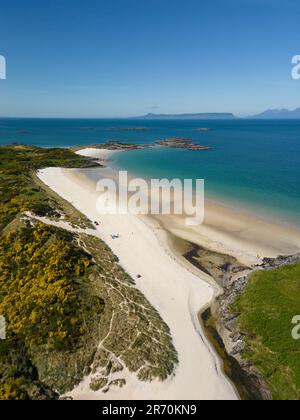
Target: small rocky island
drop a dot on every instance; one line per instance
(181, 143)
(121, 145)
(129, 129)
(172, 143)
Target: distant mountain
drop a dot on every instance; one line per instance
(200, 116)
(283, 114)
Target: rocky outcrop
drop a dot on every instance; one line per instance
(181, 143)
(226, 321)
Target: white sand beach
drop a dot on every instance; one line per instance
(247, 237)
(244, 235)
(178, 292)
(174, 291)
(101, 154)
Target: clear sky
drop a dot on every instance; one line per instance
(105, 58)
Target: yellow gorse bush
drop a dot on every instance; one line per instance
(37, 270)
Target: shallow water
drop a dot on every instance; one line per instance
(253, 164)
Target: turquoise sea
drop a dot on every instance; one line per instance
(253, 164)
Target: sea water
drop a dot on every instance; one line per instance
(251, 164)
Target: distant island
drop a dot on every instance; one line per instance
(275, 114)
(199, 116)
(266, 115)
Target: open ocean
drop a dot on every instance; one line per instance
(253, 164)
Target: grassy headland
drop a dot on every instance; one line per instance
(63, 293)
(266, 310)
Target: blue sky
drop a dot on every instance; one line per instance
(105, 58)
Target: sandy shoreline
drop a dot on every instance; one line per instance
(101, 154)
(177, 291)
(245, 237)
(228, 230)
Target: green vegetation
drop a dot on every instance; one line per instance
(136, 334)
(265, 311)
(38, 298)
(18, 192)
(44, 296)
(70, 308)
